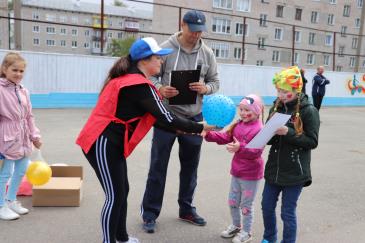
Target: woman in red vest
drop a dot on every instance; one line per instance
(128, 106)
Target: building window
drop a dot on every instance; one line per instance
(50, 17)
(221, 50)
(360, 3)
(63, 19)
(86, 45)
(264, 1)
(74, 32)
(341, 50)
(276, 56)
(261, 43)
(63, 31)
(298, 36)
(357, 23)
(352, 62)
(328, 40)
(331, 19)
(74, 20)
(339, 68)
(259, 63)
(110, 22)
(222, 26)
(279, 11)
(237, 53)
(87, 32)
(120, 35)
(51, 42)
(326, 60)
(74, 44)
(35, 15)
(227, 4)
(314, 17)
(240, 29)
(36, 28)
(296, 58)
(51, 30)
(278, 34)
(310, 59)
(311, 38)
(63, 43)
(354, 42)
(263, 18)
(346, 11)
(36, 42)
(298, 14)
(87, 21)
(363, 64)
(96, 44)
(343, 31)
(244, 5)
(110, 35)
(333, 1)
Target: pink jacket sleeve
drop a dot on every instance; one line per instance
(247, 153)
(33, 130)
(218, 137)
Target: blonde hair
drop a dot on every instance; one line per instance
(298, 124)
(9, 59)
(233, 125)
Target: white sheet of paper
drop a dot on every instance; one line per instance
(268, 131)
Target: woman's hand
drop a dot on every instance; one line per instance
(37, 144)
(282, 131)
(234, 146)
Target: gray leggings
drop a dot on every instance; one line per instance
(241, 197)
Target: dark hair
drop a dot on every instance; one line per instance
(120, 68)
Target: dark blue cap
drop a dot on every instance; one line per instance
(146, 47)
(195, 20)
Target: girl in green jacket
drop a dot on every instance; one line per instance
(287, 169)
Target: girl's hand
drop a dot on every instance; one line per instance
(282, 130)
(37, 144)
(234, 146)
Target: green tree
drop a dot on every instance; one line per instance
(118, 3)
(121, 47)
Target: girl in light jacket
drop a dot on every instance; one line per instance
(17, 134)
(247, 167)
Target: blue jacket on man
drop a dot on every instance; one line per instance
(319, 85)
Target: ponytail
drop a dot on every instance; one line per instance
(120, 68)
(298, 124)
(232, 127)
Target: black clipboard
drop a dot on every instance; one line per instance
(181, 80)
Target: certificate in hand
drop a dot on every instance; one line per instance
(181, 80)
(268, 131)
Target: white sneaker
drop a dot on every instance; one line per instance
(131, 240)
(7, 214)
(16, 206)
(231, 231)
(242, 237)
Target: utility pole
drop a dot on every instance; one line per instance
(361, 32)
(102, 28)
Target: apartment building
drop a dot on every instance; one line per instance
(73, 26)
(278, 32)
(4, 33)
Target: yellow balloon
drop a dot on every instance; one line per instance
(38, 173)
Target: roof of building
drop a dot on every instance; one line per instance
(131, 10)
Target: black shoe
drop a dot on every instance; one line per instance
(149, 226)
(193, 218)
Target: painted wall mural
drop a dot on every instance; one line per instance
(354, 85)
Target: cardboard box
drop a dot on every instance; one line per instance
(63, 189)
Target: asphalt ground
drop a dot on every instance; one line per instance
(331, 210)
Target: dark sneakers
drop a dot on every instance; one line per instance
(149, 226)
(193, 218)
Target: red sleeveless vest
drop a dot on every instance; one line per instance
(104, 113)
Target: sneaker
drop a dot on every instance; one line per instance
(231, 231)
(242, 237)
(193, 218)
(7, 214)
(130, 240)
(16, 206)
(149, 226)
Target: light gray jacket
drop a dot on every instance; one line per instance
(180, 59)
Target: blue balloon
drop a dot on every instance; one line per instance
(218, 110)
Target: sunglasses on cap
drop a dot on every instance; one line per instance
(249, 99)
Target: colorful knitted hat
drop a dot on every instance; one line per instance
(289, 79)
(253, 103)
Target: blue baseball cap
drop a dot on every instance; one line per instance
(195, 20)
(146, 47)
